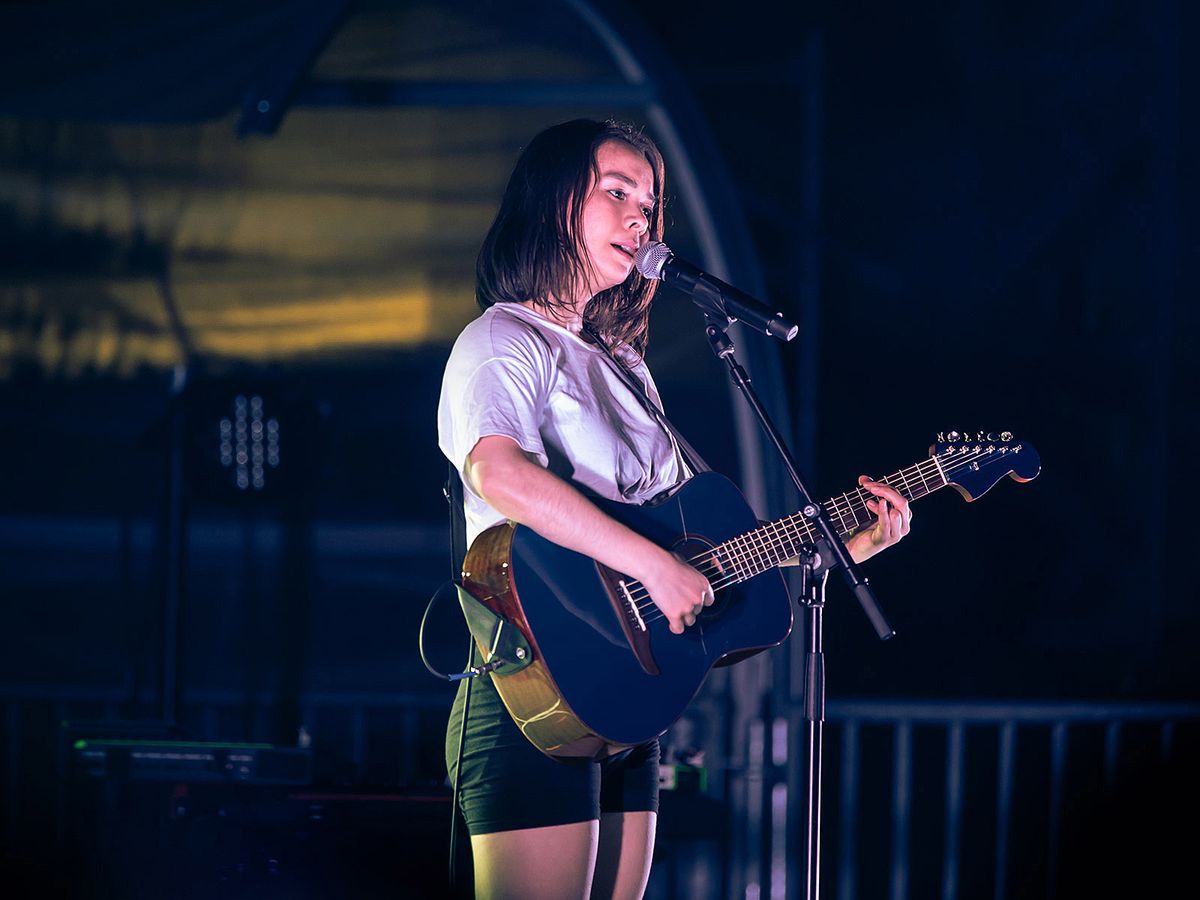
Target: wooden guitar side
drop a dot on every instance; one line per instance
(530, 695)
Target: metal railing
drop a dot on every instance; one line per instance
(982, 739)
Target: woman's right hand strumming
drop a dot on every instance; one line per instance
(678, 590)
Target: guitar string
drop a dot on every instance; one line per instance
(752, 557)
(752, 552)
(756, 548)
(958, 463)
(905, 479)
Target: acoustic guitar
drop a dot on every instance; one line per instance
(606, 672)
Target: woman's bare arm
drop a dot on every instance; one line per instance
(519, 488)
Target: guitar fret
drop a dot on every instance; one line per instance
(890, 481)
(863, 495)
(807, 531)
(940, 472)
(924, 483)
(778, 541)
(747, 555)
(771, 532)
(756, 547)
(739, 560)
(795, 530)
(726, 561)
(804, 532)
(834, 507)
(729, 562)
(752, 545)
(853, 506)
(834, 510)
(853, 514)
(760, 551)
(918, 489)
(770, 542)
(785, 537)
(788, 542)
(930, 487)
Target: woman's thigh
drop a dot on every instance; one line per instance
(505, 783)
(554, 862)
(624, 855)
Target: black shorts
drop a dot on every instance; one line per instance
(507, 783)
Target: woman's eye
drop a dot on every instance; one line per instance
(648, 212)
(617, 193)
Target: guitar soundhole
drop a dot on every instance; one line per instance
(699, 552)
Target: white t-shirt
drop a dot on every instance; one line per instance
(515, 373)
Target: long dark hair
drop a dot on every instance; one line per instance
(531, 252)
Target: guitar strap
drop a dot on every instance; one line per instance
(693, 459)
(458, 521)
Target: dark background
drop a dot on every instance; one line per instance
(1002, 242)
(1004, 239)
(1005, 233)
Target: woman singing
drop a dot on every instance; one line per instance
(535, 418)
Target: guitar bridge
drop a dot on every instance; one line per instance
(631, 606)
(633, 626)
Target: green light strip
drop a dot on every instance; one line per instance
(180, 745)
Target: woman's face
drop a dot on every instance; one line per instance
(616, 215)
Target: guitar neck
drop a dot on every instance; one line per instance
(776, 542)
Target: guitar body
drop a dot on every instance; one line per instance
(596, 686)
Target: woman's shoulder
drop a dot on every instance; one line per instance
(502, 330)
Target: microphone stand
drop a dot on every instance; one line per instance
(813, 573)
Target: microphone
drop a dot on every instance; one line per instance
(655, 261)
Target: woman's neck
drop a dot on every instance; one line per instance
(570, 318)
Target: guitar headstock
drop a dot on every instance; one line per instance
(972, 462)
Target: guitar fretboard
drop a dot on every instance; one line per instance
(775, 542)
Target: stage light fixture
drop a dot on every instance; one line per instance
(248, 443)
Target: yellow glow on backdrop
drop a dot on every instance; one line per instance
(349, 230)
(408, 311)
(338, 324)
(70, 342)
